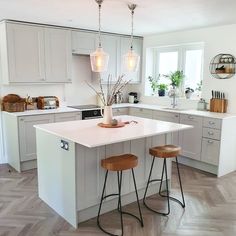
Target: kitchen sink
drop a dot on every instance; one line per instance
(174, 109)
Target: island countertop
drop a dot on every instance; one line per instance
(89, 134)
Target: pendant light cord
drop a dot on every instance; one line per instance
(99, 27)
(132, 29)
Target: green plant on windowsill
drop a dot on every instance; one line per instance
(154, 84)
(176, 78)
(162, 89)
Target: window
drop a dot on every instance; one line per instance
(188, 58)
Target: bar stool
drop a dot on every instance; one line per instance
(166, 151)
(119, 164)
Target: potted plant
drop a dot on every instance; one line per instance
(154, 84)
(162, 89)
(176, 78)
(188, 92)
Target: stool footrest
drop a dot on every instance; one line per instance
(174, 199)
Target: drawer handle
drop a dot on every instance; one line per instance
(211, 122)
(190, 117)
(210, 133)
(176, 115)
(210, 141)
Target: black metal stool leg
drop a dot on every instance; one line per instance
(140, 213)
(119, 202)
(167, 190)
(162, 175)
(180, 182)
(149, 177)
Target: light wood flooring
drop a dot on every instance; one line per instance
(210, 209)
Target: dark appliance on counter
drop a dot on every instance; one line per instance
(89, 111)
(135, 95)
(47, 102)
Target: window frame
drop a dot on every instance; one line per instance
(181, 49)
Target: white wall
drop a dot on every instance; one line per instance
(217, 40)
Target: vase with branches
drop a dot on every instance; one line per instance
(107, 94)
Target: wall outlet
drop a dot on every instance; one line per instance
(64, 145)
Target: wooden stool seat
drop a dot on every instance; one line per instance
(119, 163)
(166, 151)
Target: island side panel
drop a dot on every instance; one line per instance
(56, 175)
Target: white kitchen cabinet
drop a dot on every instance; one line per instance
(170, 117)
(135, 77)
(140, 112)
(68, 116)
(111, 45)
(210, 151)
(22, 53)
(58, 57)
(19, 134)
(120, 111)
(34, 54)
(27, 136)
(191, 140)
(83, 43)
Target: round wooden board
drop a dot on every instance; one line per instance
(119, 125)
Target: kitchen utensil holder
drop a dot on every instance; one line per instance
(218, 105)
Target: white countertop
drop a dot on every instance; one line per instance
(89, 134)
(123, 105)
(180, 111)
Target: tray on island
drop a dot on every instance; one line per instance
(119, 125)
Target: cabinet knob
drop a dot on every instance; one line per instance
(210, 141)
(211, 122)
(210, 133)
(191, 117)
(176, 115)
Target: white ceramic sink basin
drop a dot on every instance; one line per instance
(174, 109)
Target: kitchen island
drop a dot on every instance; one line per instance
(70, 177)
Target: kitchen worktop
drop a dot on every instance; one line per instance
(89, 134)
(139, 105)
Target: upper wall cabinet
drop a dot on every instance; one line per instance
(83, 42)
(135, 77)
(58, 56)
(34, 54)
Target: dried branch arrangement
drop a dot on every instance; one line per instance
(112, 89)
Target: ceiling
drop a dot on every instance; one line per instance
(151, 16)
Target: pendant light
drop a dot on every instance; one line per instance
(131, 59)
(99, 59)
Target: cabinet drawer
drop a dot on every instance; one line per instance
(120, 111)
(141, 112)
(166, 116)
(211, 133)
(191, 118)
(212, 123)
(210, 151)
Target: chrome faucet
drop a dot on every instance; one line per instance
(174, 100)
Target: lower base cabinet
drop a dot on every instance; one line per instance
(210, 151)
(20, 136)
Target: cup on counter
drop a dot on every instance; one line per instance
(131, 99)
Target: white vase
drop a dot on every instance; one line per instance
(107, 114)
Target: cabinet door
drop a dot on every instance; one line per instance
(25, 45)
(58, 55)
(169, 117)
(191, 140)
(27, 134)
(135, 77)
(140, 112)
(210, 151)
(69, 116)
(111, 45)
(83, 42)
(120, 111)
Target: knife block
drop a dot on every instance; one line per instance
(218, 105)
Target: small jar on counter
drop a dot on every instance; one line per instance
(202, 105)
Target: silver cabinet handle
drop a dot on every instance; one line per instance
(190, 117)
(176, 115)
(21, 119)
(210, 141)
(210, 133)
(211, 122)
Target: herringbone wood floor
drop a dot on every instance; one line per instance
(210, 210)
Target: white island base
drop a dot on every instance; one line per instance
(71, 181)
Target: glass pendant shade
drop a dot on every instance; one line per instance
(99, 60)
(131, 61)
